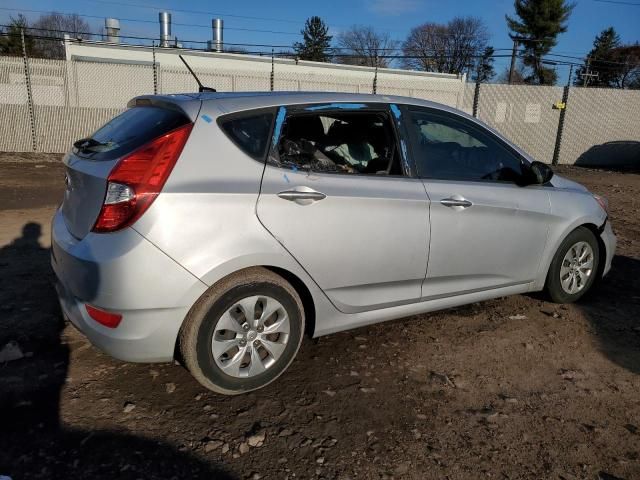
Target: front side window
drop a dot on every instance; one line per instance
(449, 148)
(338, 141)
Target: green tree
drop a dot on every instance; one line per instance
(315, 41)
(615, 64)
(10, 40)
(599, 59)
(537, 26)
(484, 71)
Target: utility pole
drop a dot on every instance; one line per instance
(513, 60)
(516, 41)
(588, 74)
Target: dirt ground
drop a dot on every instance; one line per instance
(506, 389)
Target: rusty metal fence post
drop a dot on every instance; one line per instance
(374, 89)
(476, 99)
(155, 69)
(272, 76)
(27, 77)
(563, 109)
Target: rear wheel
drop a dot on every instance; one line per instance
(244, 332)
(574, 266)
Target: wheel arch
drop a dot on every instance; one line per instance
(305, 295)
(298, 284)
(602, 249)
(593, 228)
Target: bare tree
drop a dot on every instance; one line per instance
(362, 45)
(52, 27)
(627, 66)
(452, 48)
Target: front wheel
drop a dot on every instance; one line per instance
(243, 333)
(574, 267)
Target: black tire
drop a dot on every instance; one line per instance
(198, 329)
(553, 286)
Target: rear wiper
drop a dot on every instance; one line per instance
(85, 143)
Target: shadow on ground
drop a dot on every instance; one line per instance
(613, 308)
(621, 156)
(33, 442)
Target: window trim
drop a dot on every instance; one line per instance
(334, 107)
(247, 114)
(410, 109)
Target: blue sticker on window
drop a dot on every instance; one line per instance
(396, 111)
(282, 112)
(339, 106)
(207, 118)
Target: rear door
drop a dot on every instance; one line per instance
(88, 165)
(486, 230)
(336, 193)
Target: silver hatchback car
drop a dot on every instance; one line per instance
(219, 228)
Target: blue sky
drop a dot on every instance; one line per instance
(287, 17)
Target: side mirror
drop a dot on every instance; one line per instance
(541, 173)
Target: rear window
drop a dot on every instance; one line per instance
(249, 131)
(128, 131)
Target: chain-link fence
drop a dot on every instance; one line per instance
(523, 114)
(602, 127)
(47, 104)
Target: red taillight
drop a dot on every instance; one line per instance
(108, 319)
(138, 178)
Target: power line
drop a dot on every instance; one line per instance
(198, 12)
(137, 20)
(431, 54)
(634, 4)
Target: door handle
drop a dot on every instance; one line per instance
(456, 201)
(294, 195)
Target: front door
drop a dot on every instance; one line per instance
(336, 196)
(486, 230)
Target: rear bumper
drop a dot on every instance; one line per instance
(610, 242)
(124, 273)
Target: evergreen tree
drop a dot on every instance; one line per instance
(316, 41)
(538, 24)
(600, 60)
(484, 71)
(11, 41)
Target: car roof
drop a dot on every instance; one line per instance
(230, 102)
(235, 101)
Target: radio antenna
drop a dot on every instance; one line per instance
(201, 88)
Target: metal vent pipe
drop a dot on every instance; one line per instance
(218, 34)
(112, 28)
(165, 29)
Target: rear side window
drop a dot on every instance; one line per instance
(339, 141)
(249, 131)
(128, 131)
